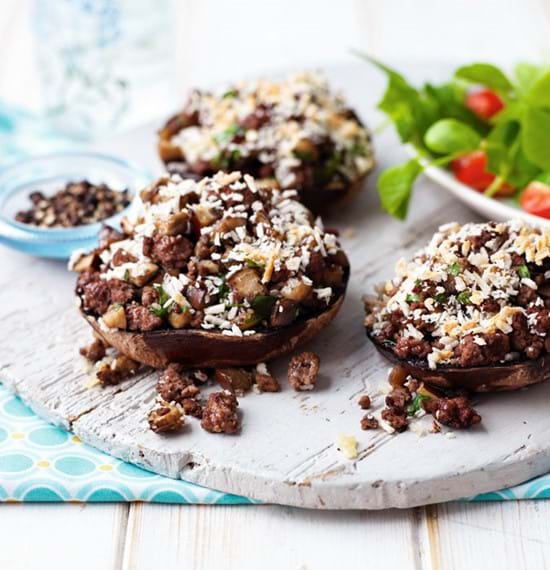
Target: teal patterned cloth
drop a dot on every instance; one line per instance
(42, 463)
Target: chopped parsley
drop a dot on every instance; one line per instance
(230, 94)
(225, 136)
(162, 308)
(463, 297)
(126, 275)
(303, 155)
(262, 305)
(412, 298)
(440, 297)
(223, 289)
(332, 165)
(454, 269)
(358, 149)
(254, 264)
(523, 272)
(416, 405)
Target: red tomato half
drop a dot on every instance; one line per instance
(484, 103)
(536, 199)
(471, 169)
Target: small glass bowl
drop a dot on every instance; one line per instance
(49, 174)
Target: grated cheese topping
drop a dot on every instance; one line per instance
(281, 124)
(470, 284)
(263, 253)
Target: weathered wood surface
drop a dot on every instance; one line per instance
(287, 451)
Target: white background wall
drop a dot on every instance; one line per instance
(222, 39)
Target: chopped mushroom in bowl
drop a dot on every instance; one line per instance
(471, 309)
(217, 272)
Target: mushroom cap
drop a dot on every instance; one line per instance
(489, 378)
(201, 348)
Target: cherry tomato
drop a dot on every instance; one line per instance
(471, 169)
(536, 199)
(484, 103)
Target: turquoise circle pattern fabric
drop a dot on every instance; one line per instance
(43, 463)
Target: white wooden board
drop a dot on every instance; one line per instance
(287, 451)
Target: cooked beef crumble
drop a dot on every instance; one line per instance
(265, 381)
(94, 351)
(478, 294)
(302, 371)
(294, 132)
(410, 398)
(219, 254)
(76, 204)
(220, 413)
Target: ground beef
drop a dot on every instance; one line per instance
(236, 380)
(191, 407)
(108, 235)
(175, 386)
(265, 381)
(490, 306)
(140, 318)
(398, 398)
(94, 351)
(303, 370)
(120, 256)
(407, 347)
(525, 296)
(111, 373)
(454, 412)
(478, 241)
(369, 422)
(396, 418)
(469, 353)
(220, 413)
(149, 296)
(170, 251)
(364, 402)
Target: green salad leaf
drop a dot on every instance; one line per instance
(485, 74)
(448, 136)
(395, 187)
(435, 120)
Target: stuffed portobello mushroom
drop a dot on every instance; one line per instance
(218, 272)
(293, 133)
(471, 309)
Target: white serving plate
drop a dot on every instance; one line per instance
(496, 209)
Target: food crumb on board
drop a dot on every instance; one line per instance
(347, 444)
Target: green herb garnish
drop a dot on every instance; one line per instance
(126, 275)
(523, 272)
(303, 155)
(226, 135)
(253, 264)
(332, 165)
(463, 297)
(440, 297)
(416, 405)
(262, 305)
(358, 149)
(436, 122)
(412, 298)
(223, 289)
(165, 302)
(454, 269)
(229, 94)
